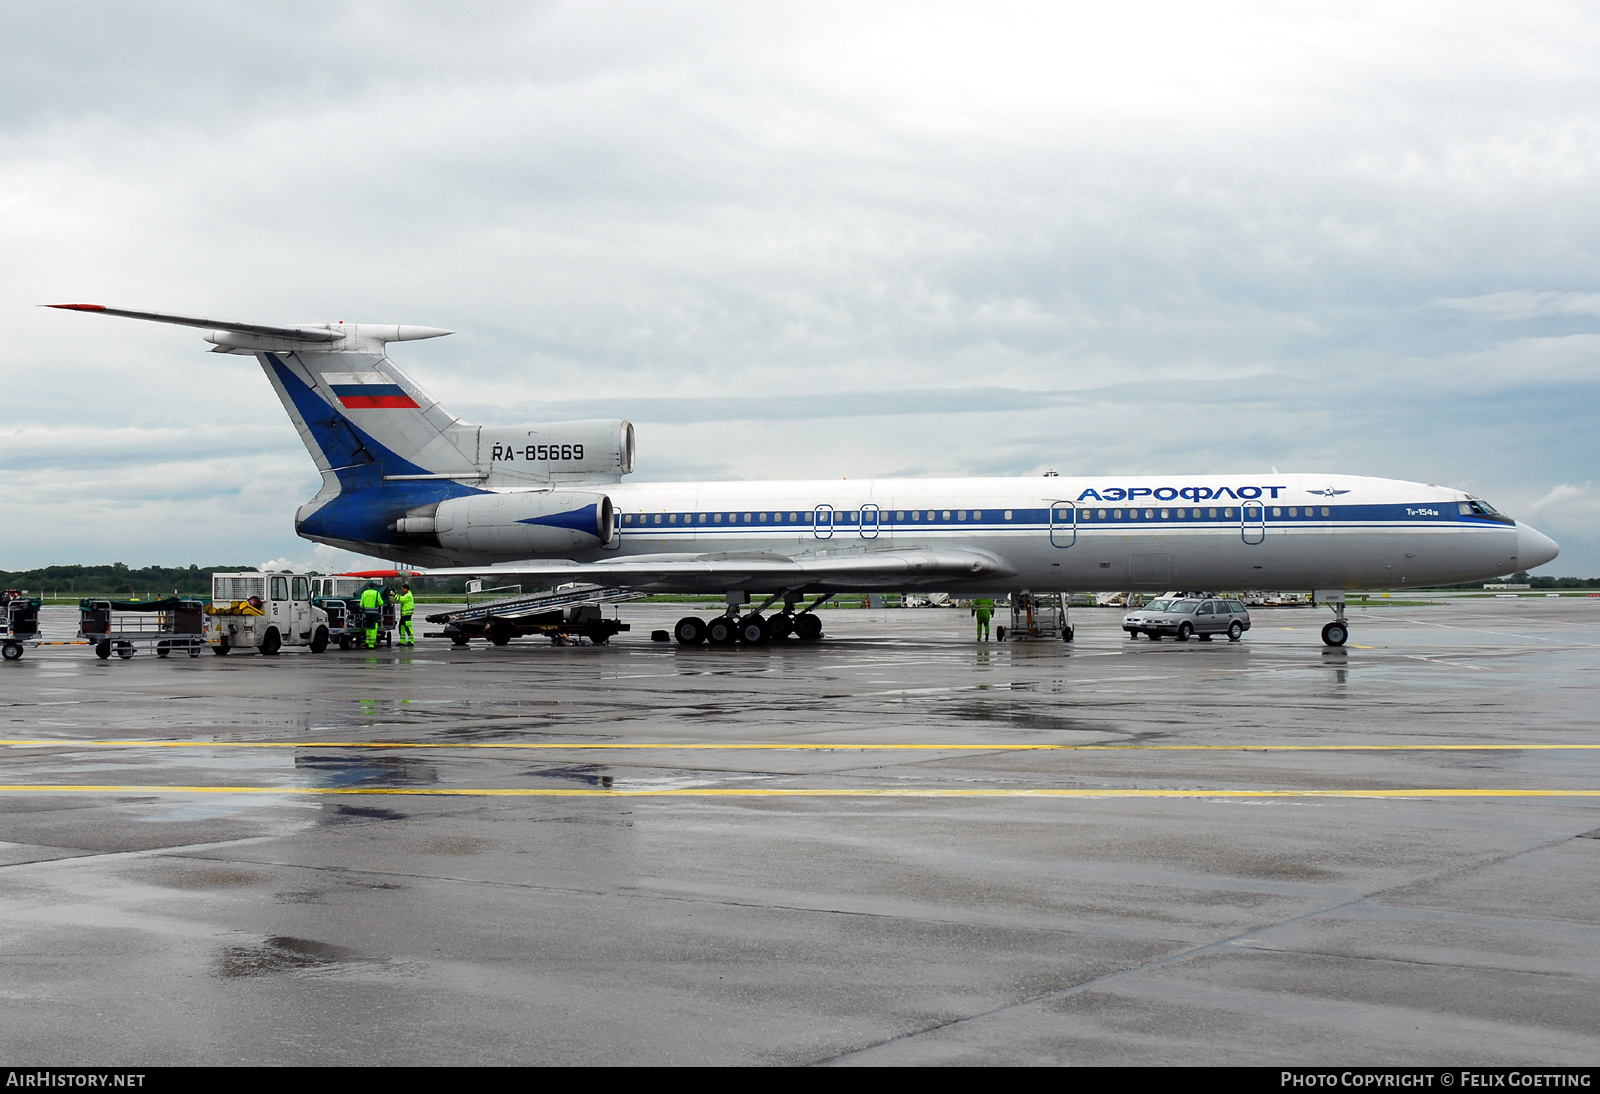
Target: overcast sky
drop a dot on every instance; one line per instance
(807, 240)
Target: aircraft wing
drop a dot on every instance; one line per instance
(894, 569)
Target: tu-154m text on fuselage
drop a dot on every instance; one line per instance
(403, 478)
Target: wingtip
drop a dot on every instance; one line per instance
(76, 307)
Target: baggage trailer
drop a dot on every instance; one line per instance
(340, 596)
(568, 614)
(263, 611)
(19, 622)
(176, 623)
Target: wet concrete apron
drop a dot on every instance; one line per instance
(895, 845)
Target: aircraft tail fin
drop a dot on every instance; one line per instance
(361, 418)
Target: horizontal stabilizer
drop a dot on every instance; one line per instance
(250, 334)
(298, 334)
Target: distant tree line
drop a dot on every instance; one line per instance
(121, 579)
(1522, 577)
(115, 578)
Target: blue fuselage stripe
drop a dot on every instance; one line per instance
(1114, 518)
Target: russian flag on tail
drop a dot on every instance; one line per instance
(368, 391)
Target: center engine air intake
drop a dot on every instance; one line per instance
(512, 526)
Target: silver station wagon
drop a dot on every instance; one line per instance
(1182, 617)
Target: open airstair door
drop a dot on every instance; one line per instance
(1063, 523)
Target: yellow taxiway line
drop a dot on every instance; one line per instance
(736, 792)
(998, 746)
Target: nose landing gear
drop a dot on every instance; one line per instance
(1337, 632)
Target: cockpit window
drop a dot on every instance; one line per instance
(1481, 508)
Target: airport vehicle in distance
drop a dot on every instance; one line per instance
(264, 611)
(404, 478)
(1186, 617)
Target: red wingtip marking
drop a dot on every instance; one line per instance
(78, 307)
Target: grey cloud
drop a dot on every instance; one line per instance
(795, 240)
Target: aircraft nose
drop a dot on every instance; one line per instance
(1534, 548)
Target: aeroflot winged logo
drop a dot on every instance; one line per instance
(1187, 493)
(368, 391)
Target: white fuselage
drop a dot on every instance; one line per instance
(1082, 533)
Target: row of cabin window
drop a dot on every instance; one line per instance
(1150, 514)
(845, 517)
(960, 514)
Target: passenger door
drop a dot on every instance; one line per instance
(1063, 523)
(1253, 522)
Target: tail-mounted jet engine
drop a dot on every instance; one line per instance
(518, 525)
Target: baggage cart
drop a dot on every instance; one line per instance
(19, 617)
(340, 596)
(123, 626)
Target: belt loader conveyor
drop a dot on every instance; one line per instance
(569, 612)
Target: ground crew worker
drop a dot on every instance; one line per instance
(407, 604)
(372, 613)
(982, 609)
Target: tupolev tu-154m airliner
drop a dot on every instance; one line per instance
(403, 478)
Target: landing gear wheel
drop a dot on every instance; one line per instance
(722, 631)
(1184, 631)
(500, 632)
(1235, 631)
(102, 650)
(753, 630)
(12, 651)
(272, 642)
(690, 631)
(808, 627)
(319, 641)
(781, 625)
(124, 650)
(1335, 633)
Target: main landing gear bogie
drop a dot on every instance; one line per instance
(754, 629)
